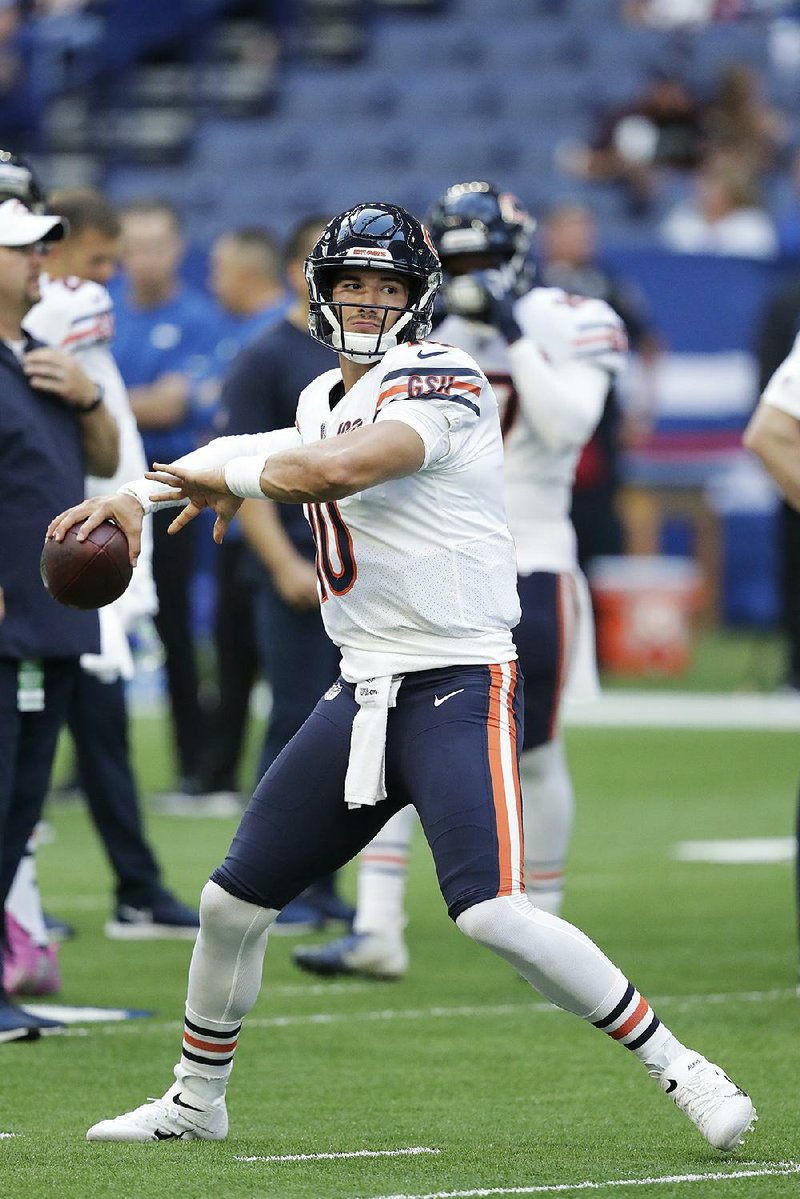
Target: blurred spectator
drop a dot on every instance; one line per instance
(164, 337)
(661, 128)
(778, 327)
(678, 14)
(741, 125)
(567, 245)
(725, 216)
(245, 278)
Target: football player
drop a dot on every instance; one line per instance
(398, 457)
(550, 358)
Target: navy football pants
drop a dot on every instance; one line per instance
(451, 751)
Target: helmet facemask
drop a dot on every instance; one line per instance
(370, 347)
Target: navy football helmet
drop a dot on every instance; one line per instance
(18, 179)
(382, 237)
(477, 223)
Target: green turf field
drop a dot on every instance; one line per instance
(459, 1058)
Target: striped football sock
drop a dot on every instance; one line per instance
(629, 1019)
(208, 1046)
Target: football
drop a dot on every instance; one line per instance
(90, 573)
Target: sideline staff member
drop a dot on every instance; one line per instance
(54, 429)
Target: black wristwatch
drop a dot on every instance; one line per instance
(99, 392)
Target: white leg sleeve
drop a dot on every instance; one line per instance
(547, 811)
(568, 969)
(228, 957)
(382, 876)
(554, 957)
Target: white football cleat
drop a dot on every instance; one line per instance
(177, 1116)
(722, 1111)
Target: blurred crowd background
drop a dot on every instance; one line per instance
(657, 142)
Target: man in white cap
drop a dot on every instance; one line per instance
(54, 429)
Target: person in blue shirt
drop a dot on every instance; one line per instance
(245, 279)
(165, 335)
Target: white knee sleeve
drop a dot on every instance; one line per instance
(228, 957)
(555, 957)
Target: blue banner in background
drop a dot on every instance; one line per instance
(707, 309)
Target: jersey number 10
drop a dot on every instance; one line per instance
(336, 565)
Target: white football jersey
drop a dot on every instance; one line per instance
(77, 315)
(783, 389)
(72, 313)
(551, 387)
(418, 572)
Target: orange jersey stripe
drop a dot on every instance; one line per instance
(402, 389)
(641, 1008)
(398, 389)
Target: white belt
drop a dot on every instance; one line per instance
(364, 784)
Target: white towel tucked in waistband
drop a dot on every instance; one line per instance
(364, 784)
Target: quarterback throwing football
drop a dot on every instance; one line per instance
(398, 457)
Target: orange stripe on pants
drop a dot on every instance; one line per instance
(494, 729)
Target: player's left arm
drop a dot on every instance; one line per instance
(324, 470)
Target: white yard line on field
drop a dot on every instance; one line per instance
(386, 1015)
(412, 1151)
(778, 1170)
(684, 710)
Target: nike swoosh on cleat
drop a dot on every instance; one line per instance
(176, 1099)
(671, 1086)
(167, 1136)
(450, 694)
(431, 354)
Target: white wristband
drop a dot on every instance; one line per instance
(141, 492)
(243, 476)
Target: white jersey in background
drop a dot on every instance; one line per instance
(418, 572)
(551, 387)
(78, 315)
